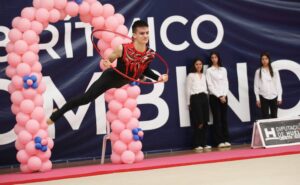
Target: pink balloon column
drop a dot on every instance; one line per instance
(123, 116)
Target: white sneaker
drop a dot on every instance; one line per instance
(198, 148)
(221, 145)
(207, 147)
(227, 144)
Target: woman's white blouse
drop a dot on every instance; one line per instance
(217, 81)
(267, 86)
(195, 85)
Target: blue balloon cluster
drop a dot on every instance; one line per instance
(135, 133)
(34, 85)
(78, 1)
(134, 83)
(38, 144)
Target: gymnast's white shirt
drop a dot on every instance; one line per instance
(217, 81)
(267, 86)
(195, 85)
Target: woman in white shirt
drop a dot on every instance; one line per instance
(267, 88)
(217, 83)
(196, 94)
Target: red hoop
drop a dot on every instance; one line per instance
(119, 72)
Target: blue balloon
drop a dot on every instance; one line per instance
(44, 148)
(25, 85)
(38, 146)
(141, 138)
(139, 129)
(25, 78)
(34, 85)
(135, 131)
(78, 1)
(37, 139)
(136, 137)
(33, 78)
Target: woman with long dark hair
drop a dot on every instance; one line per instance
(217, 83)
(267, 88)
(196, 92)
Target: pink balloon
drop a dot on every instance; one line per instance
(19, 145)
(111, 23)
(37, 27)
(42, 87)
(50, 143)
(37, 67)
(17, 81)
(11, 88)
(120, 18)
(38, 114)
(15, 22)
(44, 156)
(132, 123)
(24, 168)
(13, 59)
(38, 100)
(18, 128)
(90, 1)
(42, 15)
(30, 37)
(133, 91)
(30, 148)
(120, 95)
(34, 48)
(22, 156)
(49, 4)
(27, 106)
(119, 147)
(84, 8)
(36, 3)
(141, 133)
(14, 35)
(115, 158)
(63, 14)
(54, 16)
(34, 163)
(122, 29)
(117, 126)
(124, 115)
(114, 137)
(9, 47)
(46, 166)
(102, 45)
(107, 52)
(22, 118)
(10, 72)
(41, 133)
(107, 36)
(44, 125)
(23, 69)
(96, 9)
(136, 113)
(86, 18)
(60, 4)
(108, 97)
(128, 157)
(24, 137)
(28, 13)
(32, 126)
(114, 106)
(139, 156)
(29, 93)
(111, 91)
(15, 109)
(135, 146)
(17, 97)
(108, 10)
(30, 57)
(130, 103)
(72, 9)
(20, 47)
(44, 142)
(111, 116)
(126, 136)
(98, 22)
(117, 41)
(23, 24)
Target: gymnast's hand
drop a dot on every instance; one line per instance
(163, 78)
(107, 63)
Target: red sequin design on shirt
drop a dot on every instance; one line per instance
(136, 62)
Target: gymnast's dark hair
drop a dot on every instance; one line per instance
(193, 68)
(219, 58)
(139, 23)
(269, 65)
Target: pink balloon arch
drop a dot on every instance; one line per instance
(27, 86)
